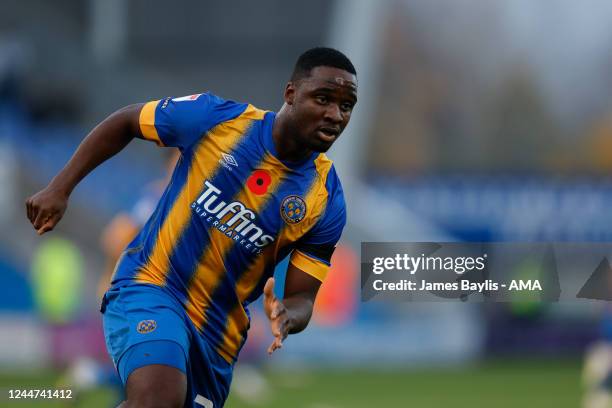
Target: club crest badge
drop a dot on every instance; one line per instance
(293, 209)
(146, 326)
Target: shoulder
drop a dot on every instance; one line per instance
(328, 175)
(201, 112)
(207, 101)
(335, 204)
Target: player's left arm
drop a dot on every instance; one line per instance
(308, 265)
(292, 314)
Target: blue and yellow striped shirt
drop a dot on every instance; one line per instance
(230, 213)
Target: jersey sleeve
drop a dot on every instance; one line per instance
(181, 122)
(313, 252)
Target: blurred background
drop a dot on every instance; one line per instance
(477, 120)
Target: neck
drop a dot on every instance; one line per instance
(287, 146)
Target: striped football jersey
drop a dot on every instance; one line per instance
(230, 213)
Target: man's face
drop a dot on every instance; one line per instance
(321, 106)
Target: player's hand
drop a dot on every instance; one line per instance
(45, 209)
(277, 314)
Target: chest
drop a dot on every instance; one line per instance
(253, 199)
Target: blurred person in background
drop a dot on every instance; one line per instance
(597, 370)
(176, 315)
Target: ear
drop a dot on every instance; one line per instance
(290, 90)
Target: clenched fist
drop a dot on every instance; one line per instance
(46, 208)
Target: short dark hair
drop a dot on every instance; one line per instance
(321, 56)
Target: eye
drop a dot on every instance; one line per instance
(322, 99)
(346, 107)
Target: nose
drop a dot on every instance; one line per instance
(333, 113)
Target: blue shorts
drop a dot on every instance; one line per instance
(144, 325)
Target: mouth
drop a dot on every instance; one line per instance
(328, 134)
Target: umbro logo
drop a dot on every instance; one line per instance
(229, 159)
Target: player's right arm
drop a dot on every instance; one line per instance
(178, 122)
(46, 208)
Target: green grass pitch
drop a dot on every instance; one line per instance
(500, 384)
